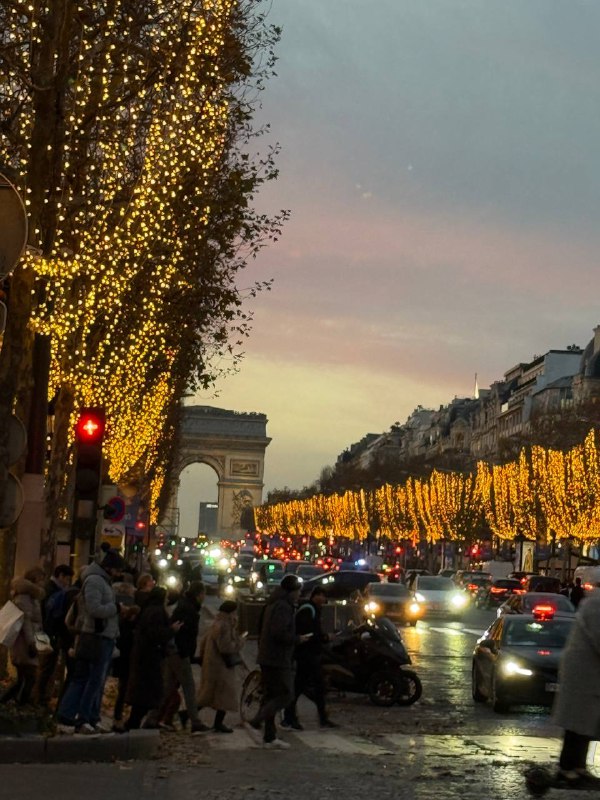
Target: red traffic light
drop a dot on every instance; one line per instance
(89, 428)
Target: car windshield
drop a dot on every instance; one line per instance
(388, 590)
(557, 601)
(537, 633)
(479, 579)
(507, 584)
(435, 584)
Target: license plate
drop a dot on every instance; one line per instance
(552, 687)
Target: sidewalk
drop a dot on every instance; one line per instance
(142, 744)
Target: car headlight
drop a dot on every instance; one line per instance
(414, 608)
(259, 584)
(254, 576)
(420, 598)
(237, 579)
(458, 600)
(172, 580)
(372, 607)
(514, 668)
(229, 589)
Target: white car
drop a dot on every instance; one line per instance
(439, 596)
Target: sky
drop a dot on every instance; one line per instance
(440, 159)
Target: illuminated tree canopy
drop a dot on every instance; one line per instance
(128, 129)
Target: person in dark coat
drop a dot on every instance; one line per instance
(275, 656)
(125, 594)
(54, 610)
(309, 672)
(153, 633)
(178, 666)
(577, 705)
(577, 593)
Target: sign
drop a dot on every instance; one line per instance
(113, 535)
(114, 509)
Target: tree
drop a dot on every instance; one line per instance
(127, 127)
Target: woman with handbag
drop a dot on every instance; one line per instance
(27, 594)
(220, 653)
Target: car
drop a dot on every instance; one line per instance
(340, 585)
(477, 582)
(412, 574)
(266, 575)
(542, 583)
(306, 571)
(464, 576)
(292, 566)
(439, 596)
(538, 602)
(497, 591)
(447, 573)
(516, 660)
(212, 579)
(391, 600)
(520, 576)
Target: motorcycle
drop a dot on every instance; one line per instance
(372, 659)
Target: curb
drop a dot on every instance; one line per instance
(141, 744)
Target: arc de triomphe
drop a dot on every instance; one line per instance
(232, 443)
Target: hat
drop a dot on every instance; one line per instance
(228, 607)
(290, 583)
(112, 560)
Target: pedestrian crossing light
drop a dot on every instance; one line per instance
(89, 434)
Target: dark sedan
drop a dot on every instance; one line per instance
(539, 603)
(516, 661)
(496, 592)
(340, 585)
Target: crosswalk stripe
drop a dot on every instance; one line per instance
(320, 740)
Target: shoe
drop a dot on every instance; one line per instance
(66, 729)
(99, 727)
(577, 779)
(291, 725)
(328, 723)
(199, 727)
(222, 729)
(254, 732)
(276, 744)
(118, 726)
(86, 729)
(164, 726)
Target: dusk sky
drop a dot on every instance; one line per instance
(441, 162)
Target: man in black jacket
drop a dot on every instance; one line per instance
(178, 668)
(275, 655)
(309, 672)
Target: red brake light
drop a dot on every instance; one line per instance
(472, 587)
(544, 652)
(588, 587)
(524, 580)
(497, 590)
(543, 611)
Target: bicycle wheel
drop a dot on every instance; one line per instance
(251, 696)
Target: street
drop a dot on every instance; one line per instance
(444, 745)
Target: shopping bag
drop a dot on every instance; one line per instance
(11, 622)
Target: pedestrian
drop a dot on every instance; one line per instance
(308, 655)
(178, 664)
(144, 586)
(97, 624)
(152, 640)
(577, 593)
(577, 706)
(125, 596)
(27, 594)
(220, 653)
(275, 656)
(54, 610)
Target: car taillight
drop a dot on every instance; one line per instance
(519, 591)
(497, 590)
(588, 587)
(472, 586)
(544, 652)
(543, 611)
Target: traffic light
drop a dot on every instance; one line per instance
(89, 433)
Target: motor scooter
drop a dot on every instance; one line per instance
(372, 659)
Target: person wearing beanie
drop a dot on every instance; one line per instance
(275, 655)
(220, 650)
(98, 624)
